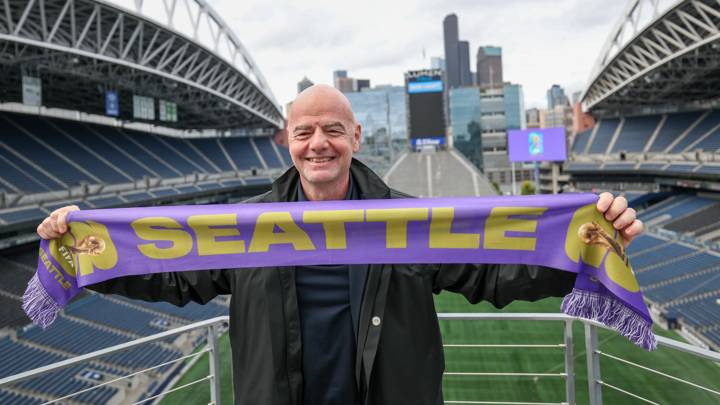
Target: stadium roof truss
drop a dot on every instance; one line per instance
(673, 57)
(211, 77)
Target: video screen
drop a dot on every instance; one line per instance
(537, 145)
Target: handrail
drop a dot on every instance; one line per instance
(593, 353)
(112, 349)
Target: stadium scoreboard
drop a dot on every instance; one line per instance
(537, 145)
(424, 90)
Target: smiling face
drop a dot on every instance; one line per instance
(322, 137)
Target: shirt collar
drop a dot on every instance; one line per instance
(350, 195)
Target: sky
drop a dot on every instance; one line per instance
(544, 42)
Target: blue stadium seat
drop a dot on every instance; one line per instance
(707, 124)
(16, 357)
(675, 124)
(58, 138)
(24, 214)
(581, 140)
(42, 156)
(155, 163)
(635, 133)
(670, 252)
(242, 153)
(267, 151)
(96, 138)
(212, 149)
(170, 155)
(187, 149)
(7, 397)
(100, 310)
(106, 201)
(603, 135)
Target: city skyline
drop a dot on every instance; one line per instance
(543, 41)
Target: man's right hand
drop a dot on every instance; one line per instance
(55, 225)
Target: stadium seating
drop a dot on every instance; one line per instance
(603, 135)
(581, 141)
(708, 123)
(41, 154)
(102, 311)
(7, 397)
(635, 133)
(675, 124)
(242, 153)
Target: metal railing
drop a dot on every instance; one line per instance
(592, 348)
(211, 326)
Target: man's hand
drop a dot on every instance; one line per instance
(616, 210)
(55, 225)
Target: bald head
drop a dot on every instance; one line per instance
(321, 99)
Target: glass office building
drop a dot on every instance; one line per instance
(380, 110)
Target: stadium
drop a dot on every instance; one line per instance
(108, 104)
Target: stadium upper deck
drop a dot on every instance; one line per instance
(183, 53)
(659, 53)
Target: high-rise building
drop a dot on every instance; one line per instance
(480, 119)
(489, 72)
(532, 117)
(380, 110)
(345, 84)
(437, 62)
(450, 34)
(361, 84)
(304, 84)
(348, 84)
(560, 116)
(514, 106)
(556, 97)
(464, 63)
(337, 75)
(465, 116)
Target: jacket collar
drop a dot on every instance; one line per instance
(369, 185)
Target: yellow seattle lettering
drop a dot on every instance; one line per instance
(162, 229)
(499, 222)
(441, 235)
(209, 227)
(264, 234)
(396, 220)
(333, 223)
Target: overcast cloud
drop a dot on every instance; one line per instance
(544, 41)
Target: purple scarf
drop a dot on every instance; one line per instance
(564, 232)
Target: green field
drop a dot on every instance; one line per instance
(543, 360)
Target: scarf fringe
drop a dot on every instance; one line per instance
(611, 312)
(38, 305)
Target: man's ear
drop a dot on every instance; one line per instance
(357, 137)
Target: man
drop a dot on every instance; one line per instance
(341, 334)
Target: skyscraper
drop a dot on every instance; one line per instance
(437, 62)
(337, 75)
(450, 33)
(556, 97)
(489, 66)
(304, 84)
(464, 63)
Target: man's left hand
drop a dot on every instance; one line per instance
(623, 219)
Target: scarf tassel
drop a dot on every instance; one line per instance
(611, 312)
(38, 305)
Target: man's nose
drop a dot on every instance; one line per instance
(319, 139)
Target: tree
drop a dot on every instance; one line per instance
(527, 188)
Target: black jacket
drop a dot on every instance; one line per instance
(399, 358)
